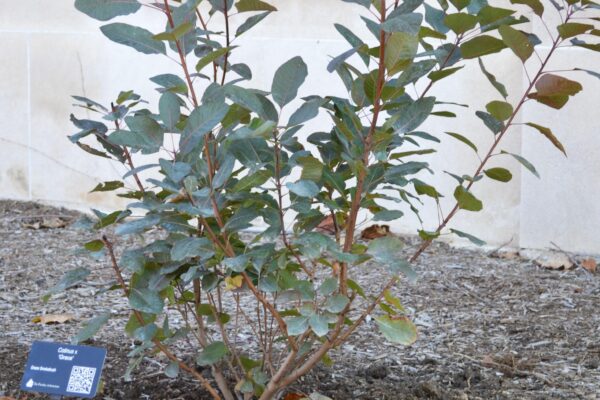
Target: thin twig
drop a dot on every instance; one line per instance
(160, 346)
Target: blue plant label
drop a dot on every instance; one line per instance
(63, 369)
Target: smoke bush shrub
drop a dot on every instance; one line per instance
(225, 158)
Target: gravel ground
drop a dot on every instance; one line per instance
(489, 328)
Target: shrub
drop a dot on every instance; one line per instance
(225, 158)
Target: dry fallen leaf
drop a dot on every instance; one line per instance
(375, 231)
(53, 223)
(7, 398)
(181, 196)
(47, 223)
(35, 225)
(589, 264)
(234, 282)
(326, 225)
(555, 261)
(53, 319)
(488, 361)
(336, 268)
(506, 254)
(294, 396)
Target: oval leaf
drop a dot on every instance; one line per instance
(397, 329)
(498, 174)
(303, 188)
(549, 135)
(138, 38)
(517, 41)
(463, 139)
(212, 354)
(466, 200)
(103, 10)
(90, 328)
(253, 5)
(470, 237)
(480, 46)
(287, 80)
(499, 110)
(146, 300)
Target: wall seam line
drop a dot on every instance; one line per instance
(29, 142)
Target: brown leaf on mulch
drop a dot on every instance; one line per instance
(47, 223)
(507, 364)
(554, 261)
(294, 396)
(375, 231)
(589, 264)
(52, 319)
(326, 225)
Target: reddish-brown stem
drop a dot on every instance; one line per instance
(205, 27)
(225, 337)
(272, 310)
(218, 377)
(128, 156)
(228, 250)
(360, 180)
(284, 237)
(181, 56)
(210, 164)
(455, 209)
(491, 150)
(160, 346)
(280, 380)
(227, 42)
(443, 64)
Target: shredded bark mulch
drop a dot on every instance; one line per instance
(489, 328)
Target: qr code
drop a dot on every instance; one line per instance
(81, 380)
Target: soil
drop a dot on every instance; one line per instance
(489, 328)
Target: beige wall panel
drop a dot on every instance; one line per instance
(68, 55)
(562, 206)
(498, 222)
(90, 65)
(14, 107)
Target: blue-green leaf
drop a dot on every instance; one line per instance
(212, 353)
(388, 215)
(337, 303)
(250, 23)
(90, 328)
(169, 109)
(409, 23)
(146, 300)
(137, 226)
(413, 115)
(192, 247)
(287, 80)
(104, 10)
(397, 329)
(69, 279)
(296, 325)
(306, 112)
(470, 237)
(303, 188)
(201, 121)
(319, 325)
(138, 38)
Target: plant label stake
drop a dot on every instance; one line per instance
(63, 369)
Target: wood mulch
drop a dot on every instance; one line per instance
(489, 328)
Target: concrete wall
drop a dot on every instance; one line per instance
(52, 52)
